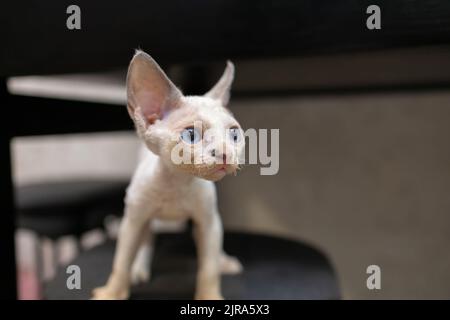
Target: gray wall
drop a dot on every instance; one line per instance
(365, 178)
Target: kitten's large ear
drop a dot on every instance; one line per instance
(149, 91)
(221, 91)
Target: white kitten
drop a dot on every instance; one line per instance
(204, 134)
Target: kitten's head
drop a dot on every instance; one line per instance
(195, 134)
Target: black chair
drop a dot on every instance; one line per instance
(274, 268)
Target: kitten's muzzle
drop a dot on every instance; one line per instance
(222, 157)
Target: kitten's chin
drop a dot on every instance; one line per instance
(212, 173)
(216, 176)
(219, 172)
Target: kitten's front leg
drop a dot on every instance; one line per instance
(209, 233)
(130, 233)
(141, 268)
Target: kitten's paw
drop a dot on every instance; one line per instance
(208, 296)
(106, 293)
(140, 274)
(230, 265)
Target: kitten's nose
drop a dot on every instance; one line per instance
(214, 153)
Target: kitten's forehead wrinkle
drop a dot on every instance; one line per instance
(209, 112)
(201, 102)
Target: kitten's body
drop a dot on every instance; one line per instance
(162, 190)
(170, 193)
(173, 197)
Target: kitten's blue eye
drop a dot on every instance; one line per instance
(191, 135)
(235, 134)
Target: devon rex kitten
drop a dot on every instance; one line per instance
(199, 129)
